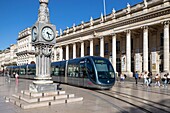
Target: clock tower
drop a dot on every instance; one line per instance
(43, 39)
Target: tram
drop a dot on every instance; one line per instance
(90, 71)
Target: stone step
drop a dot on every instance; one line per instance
(30, 99)
(35, 94)
(25, 105)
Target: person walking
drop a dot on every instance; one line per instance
(122, 77)
(164, 80)
(157, 80)
(145, 76)
(7, 77)
(16, 78)
(149, 78)
(136, 77)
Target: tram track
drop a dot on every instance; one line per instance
(146, 90)
(144, 105)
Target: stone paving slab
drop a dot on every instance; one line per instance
(92, 102)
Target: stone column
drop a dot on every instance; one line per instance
(102, 46)
(91, 47)
(74, 50)
(114, 51)
(145, 48)
(82, 49)
(166, 47)
(128, 51)
(37, 61)
(67, 52)
(61, 53)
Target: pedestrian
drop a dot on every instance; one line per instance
(122, 77)
(168, 78)
(136, 77)
(13, 74)
(7, 77)
(149, 78)
(145, 76)
(157, 80)
(164, 80)
(16, 78)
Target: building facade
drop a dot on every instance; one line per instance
(8, 57)
(26, 52)
(135, 38)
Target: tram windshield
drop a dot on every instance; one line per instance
(104, 69)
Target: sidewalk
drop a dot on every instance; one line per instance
(130, 83)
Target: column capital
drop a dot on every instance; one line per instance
(145, 27)
(127, 31)
(81, 41)
(113, 34)
(60, 46)
(90, 39)
(165, 23)
(101, 37)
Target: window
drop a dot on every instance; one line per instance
(22, 71)
(88, 50)
(82, 69)
(106, 48)
(97, 50)
(104, 69)
(90, 70)
(56, 71)
(73, 68)
(117, 46)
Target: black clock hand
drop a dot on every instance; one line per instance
(48, 35)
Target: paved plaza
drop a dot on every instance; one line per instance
(94, 100)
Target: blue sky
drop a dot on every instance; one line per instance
(17, 15)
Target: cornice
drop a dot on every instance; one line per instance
(115, 24)
(25, 53)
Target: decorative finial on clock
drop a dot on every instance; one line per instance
(43, 15)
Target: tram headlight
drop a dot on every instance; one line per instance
(112, 74)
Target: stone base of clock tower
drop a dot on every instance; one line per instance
(44, 87)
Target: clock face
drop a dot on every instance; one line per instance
(34, 33)
(47, 33)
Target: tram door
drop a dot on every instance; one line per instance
(82, 73)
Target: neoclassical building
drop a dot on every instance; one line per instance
(8, 56)
(26, 52)
(135, 38)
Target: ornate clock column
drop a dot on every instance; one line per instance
(43, 39)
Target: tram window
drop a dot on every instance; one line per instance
(70, 70)
(104, 69)
(31, 71)
(82, 70)
(22, 71)
(62, 69)
(62, 72)
(73, 71)
(90, 70)
(56, 71)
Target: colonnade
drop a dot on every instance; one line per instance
(145, 44)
